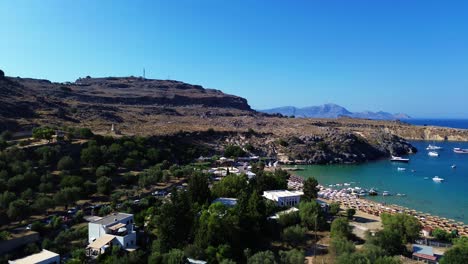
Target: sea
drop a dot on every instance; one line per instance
(446, 199)
(454, 123)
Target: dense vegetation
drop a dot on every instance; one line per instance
(38, 184)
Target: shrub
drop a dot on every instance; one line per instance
(294, 234)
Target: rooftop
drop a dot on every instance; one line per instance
(282, 193)
(101, 242)
(35, 258)
(421, 249)
(112, 218)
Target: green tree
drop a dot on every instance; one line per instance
(85, 133)
(234, 151)
(340, 246)
(262, 257)
(350, 212)
(174, 223)
(389, 240)
(67, 196)
(340, 228)
(387, 260)
(104, 185)
(230, 186)
(175, 256)
(294, 235)
(218, 225)
(404, 225)
(198, 188)
(6, 198)
(354, 258)
(311, 215)
(334, 208)
(42, 203)
(441, 235)
(18, 209)
(456, 254)
(310, 189)
(103, 170)
(66, 163)
(373, 252)
(43, 133)
(91, 156)
(293, 256)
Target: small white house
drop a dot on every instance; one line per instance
(113, 230)
(43, 257)
(284, 197)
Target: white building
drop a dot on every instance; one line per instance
(113, 230)
(43, 257)
(284, 197)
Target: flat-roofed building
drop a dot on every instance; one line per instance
(112, 230)
(43, 257)
(284, 197)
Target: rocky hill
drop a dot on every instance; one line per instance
(138, 106)
(25, 100)
(332, 111)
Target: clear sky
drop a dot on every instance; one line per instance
(399, 56)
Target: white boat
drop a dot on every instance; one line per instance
(399, 159)
(437, 179)
(401, 194)
(453, 166)
(433, 154)
(433, 147)
(386, 193)
(401, 169)
(460, 151)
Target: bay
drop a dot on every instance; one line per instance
(447, 199)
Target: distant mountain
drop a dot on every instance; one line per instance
(332, 111)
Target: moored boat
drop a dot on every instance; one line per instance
(401, 169)
(433, 147)
(433, 154)
(399, 159)
(460, 151)
(437, 179)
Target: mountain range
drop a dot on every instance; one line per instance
(332, 111)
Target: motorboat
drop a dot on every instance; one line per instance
(433, 147)
(453, 166)
(372, 192)
(401, 169)
(399, 159)
(400, 194)
(437, 179)
(386, 193)
(460, 151)
(433, 154)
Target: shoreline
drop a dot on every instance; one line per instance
(376, 209)
(347, 200)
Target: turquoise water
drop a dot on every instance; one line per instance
(447, 199)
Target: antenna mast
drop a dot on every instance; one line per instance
(144, 73)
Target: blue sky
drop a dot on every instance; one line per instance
(399, 56)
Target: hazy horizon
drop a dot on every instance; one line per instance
(392, 56)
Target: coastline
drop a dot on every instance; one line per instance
(375, 208)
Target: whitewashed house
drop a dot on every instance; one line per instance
(284, 197)
(113, 230)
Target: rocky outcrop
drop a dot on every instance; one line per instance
(331, 148)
